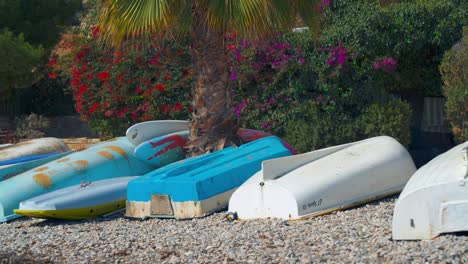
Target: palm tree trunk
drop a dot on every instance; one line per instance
(214, 123)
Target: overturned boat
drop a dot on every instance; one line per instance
(11, 170)
(435, 200)
(80, 201)
(201, 185)
(170, 149)
(145, 131)
(325, 180)
(33, 147)
(105, 160)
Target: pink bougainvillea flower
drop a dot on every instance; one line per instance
(231, 47)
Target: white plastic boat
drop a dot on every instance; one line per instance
(33, 147)
(325, 180)
(2, 146)
(145, 131)
(435, 200)
(80, 201)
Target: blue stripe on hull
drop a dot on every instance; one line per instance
(26, 159)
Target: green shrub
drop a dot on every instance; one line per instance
(318, 129)
(454, 72)
(391, 118)
(416, 33)
(17, 59)
(31, 126)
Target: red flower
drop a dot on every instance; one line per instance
(178, 107)
(138, 89)
(181, 52)
(75, 81)
(80, 55)
(103, 76)
(96, 31)
(108, 113)
(90, 76)
(185, 72)
(160, 87)
(53, 75)
(94, 107)
(135, 115)
(82, 89)
(154, 61)
(232, 46)
(167, 77)
(52, 63)
(120, 78)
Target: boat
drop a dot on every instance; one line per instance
(249, 135)
(435, 200)
(142, 132)
(33, 147)
(325, 180)
(25, 159)
(78, 202)
(163, 150)
(105, 160)
(172, 146)
(201, 185)
(8, 171)
(2, 146)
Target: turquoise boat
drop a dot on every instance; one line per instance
(12, 170)
(110, 159)
(170, 148)
(201, 185)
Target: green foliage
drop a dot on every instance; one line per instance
(39, 21)
(415, 33)
(318, 129)
(391, 118)
(454, 72)
(31, 126)
(17, 60)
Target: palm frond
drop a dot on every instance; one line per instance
(252, 18)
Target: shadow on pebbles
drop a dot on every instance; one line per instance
(358, 235)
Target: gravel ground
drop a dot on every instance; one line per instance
(359, 235)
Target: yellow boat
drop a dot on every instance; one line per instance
(88, 200)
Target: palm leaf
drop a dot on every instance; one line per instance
(251, 18)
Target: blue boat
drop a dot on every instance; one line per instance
(170, 149)
(102, 161)
(12, 170)
(26, 159)
(201, 185)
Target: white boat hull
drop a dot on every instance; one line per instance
(435, 200)
(33, 147)
(145, 131)
(326, 180)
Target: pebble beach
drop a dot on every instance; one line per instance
(358, 235)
